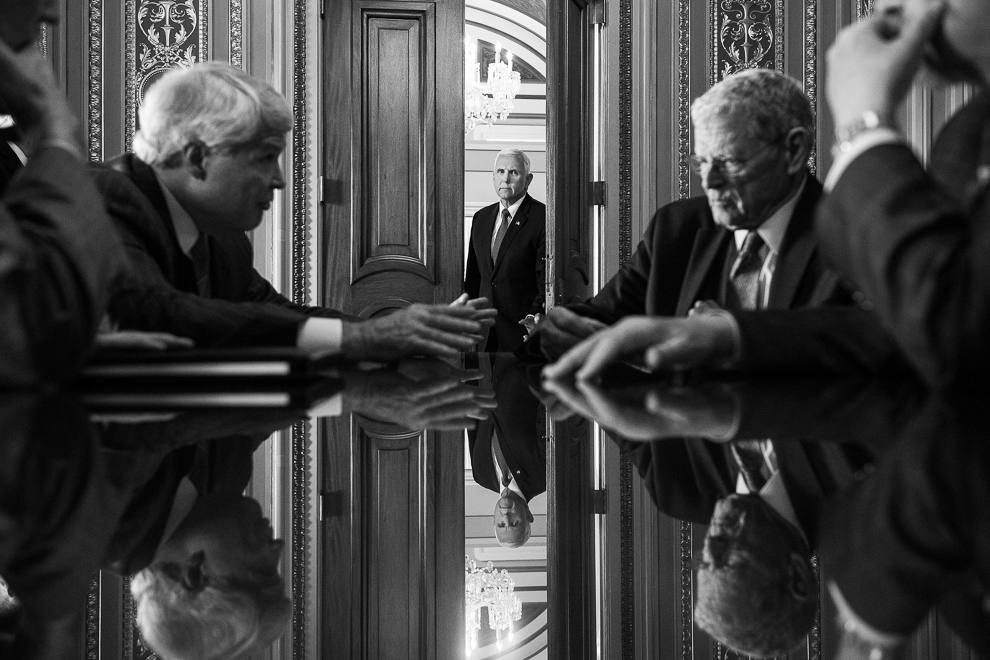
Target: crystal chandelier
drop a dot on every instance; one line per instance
(491, 101)
(488, 587)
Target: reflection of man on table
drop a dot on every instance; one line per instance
(508, 451)
(506, 258)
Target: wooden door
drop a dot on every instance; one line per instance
(394, 154)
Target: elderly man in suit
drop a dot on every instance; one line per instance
(507, 257)
(735, 260)
(915, 240)
(57, 253)
(204, 170)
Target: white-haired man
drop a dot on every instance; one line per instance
(747, 246)
(204, 170)
(506, 259)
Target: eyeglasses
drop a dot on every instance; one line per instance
(733, 168)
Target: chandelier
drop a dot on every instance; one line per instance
(488, 587)
(491, 101)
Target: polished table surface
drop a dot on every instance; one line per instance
(888, 481)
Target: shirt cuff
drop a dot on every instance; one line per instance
(320, 335)
(852, 624)
(851, 150)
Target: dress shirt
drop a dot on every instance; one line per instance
(316, 335)
(512, 214)
(513, 486)
(774, 491)
(868, 139)
(772, 232)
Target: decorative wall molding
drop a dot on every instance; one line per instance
(627, 587)
(811, 69)
(92, 619)
(864, 9)
(683, 98)
(130, 81)
(95, 101)
(687, 593)
(299, 293)
(746, 34)
(236, 30)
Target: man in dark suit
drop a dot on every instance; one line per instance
(205, 168)
(58, 253)
(507, 257)
(508, 450)
(722, 259)
(913, 536)
(916, 241)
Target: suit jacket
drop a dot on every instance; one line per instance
(916, 243)
(514, 283)
(159, 290)
(685, 478)
(520, 430)
(683, 259)
(915, 534)
(58, 254)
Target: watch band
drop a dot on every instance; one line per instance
(867, 121)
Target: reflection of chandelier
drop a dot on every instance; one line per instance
(491, 101)
(487, 587)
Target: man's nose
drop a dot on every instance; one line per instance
(717, 549)
(712, 177)
(278, 181)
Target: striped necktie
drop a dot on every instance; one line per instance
(200, 255)
(745, 273)
(500, 234)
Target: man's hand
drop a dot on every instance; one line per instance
(417, 330)
(667, 412)
(662, 342)
(419, 394)
(872, 63)
(123, 340)
(561, 329)
(28, 93)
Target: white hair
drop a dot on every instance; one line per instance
(766, 104)
(214, 623)
(211, 103)
(518, 153)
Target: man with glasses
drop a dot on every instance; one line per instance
(720, 259)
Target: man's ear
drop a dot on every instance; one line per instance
(801, 581)
(193, 159)
(797, 142)
(529, 180)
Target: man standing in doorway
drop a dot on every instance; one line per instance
(506, 259)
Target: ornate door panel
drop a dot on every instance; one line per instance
(394, 154)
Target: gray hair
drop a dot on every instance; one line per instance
(215, 623)
(767, 103)
(518, 153)
(212, 103)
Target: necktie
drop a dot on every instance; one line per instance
(752, 463)
(500, 234)
(500, 458)
(200, 255)
(745, 273)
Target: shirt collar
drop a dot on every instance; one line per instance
(185, 227)
(773, 228)
(515, 206)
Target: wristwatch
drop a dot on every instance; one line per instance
(867, 121)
